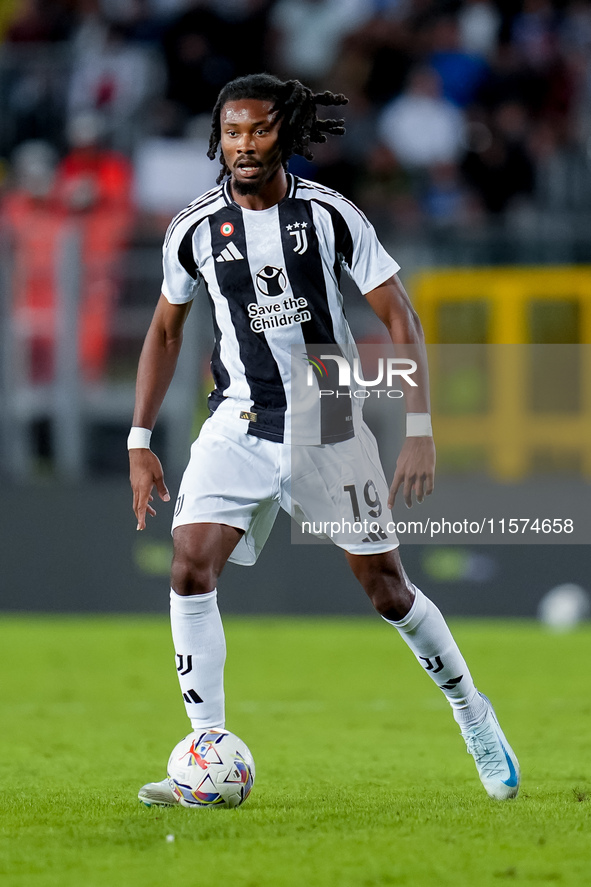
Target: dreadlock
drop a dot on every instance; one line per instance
(295, 103)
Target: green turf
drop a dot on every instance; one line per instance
(362, 778)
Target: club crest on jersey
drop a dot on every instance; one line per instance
(298, 230)
(271, 281)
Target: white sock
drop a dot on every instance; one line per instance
(200, 649)
(425, 631)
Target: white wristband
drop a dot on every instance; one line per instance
(139, 439)
(418, 425)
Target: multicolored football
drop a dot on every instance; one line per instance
(211, 769)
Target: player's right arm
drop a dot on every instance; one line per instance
(155, 371)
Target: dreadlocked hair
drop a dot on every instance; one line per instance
(297, 106)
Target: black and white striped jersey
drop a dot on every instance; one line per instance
(273, 281)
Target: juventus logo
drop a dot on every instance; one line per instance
(181, 666)
(300, 235)
(429, 665)
(436, 665)
(301, 242)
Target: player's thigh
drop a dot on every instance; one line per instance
(342, 493)
(232, 480)
(228, 476)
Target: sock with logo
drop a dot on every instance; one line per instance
(200, 649)
(425, 631)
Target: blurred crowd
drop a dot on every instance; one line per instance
(461, 114)
(458, 110)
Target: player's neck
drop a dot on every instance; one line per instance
(270, 194)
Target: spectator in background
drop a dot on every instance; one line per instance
(34, 223)
(498, 166)
(417, 132)
(246, 23)
(510, 79)
(308, 34)
(479, 23)
(113, 78)
(461, 72)
(146, 22)
(198, 60)
(383, 52)
(534, 33)
(32, 73)
(421, 127)
(93, 186)
(89, 195)
(91, 177)
(203, 47)
(444, 198)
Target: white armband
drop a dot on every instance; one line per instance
(418, 425)
(139, 438)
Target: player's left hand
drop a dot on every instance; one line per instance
(415, 470)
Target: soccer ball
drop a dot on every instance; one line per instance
(564, 606)
(211, 769)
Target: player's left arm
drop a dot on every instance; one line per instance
(415, 466)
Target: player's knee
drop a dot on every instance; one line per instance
(192, 574)
(392, 604)
(385, 583)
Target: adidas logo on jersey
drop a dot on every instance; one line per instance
(229, 254)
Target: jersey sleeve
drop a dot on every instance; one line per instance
(181, 274)
(362, 254)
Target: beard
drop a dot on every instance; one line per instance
(246, 188)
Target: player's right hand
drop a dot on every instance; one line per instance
(145, 473)
(415, 470)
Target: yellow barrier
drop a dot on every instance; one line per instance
(499, 416)
(507, 296)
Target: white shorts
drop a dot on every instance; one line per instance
(336, 491)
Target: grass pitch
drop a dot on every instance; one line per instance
(362, 777)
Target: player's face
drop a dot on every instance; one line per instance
(250, 143)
